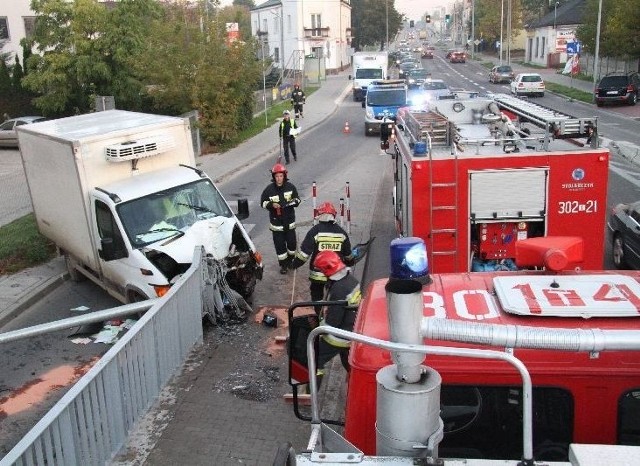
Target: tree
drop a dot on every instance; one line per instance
(619, 30)
(188, 68)
(369, 21)
(488, 14)
(249, 4)
(5, 79)
(84, 49)
(16, 76)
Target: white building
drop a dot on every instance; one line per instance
(16, 23)
(290, 30)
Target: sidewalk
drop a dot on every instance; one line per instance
(20, 290)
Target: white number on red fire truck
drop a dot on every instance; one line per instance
(577, 207)
(569, 296)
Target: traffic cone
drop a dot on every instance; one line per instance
(346, 128)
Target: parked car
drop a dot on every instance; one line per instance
(458, 57)
(528, 84)
(624, 226)
(8, 136)
(618, 88)
(500, 74)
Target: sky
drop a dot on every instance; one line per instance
(412, 9)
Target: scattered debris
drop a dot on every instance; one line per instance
(80, 309)
(81, 341)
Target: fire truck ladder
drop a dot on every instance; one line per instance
(557, 124)
(448, 190)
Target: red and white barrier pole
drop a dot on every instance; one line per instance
(314, 197)
(348, 195)
(342, 212)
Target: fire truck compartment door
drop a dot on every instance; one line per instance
(503, 194)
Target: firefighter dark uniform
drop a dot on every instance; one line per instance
(327, 235)
(281, 198)
(288, 139)
(342, 285)
(297, 100)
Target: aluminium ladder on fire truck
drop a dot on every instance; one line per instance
(436, 130)
(558, 124)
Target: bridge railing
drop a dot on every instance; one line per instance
(91, 422)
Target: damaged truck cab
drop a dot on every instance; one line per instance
(119, 195)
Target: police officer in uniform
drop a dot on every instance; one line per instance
(281, 198)
(327, 235)
(288, 139)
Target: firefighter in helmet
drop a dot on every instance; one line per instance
(342, 286)
(280, 198)
(298, 99)
(327, 235)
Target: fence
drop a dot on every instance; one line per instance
(92, 421)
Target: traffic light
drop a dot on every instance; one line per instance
(411, 23)
(447, 18)
(428, 18)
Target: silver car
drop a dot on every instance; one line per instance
(8, 136)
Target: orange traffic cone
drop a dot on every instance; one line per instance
(346, 128)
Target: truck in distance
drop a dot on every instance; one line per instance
(367, 67)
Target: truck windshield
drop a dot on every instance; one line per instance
(168, 213)
(387, 97)
(369, 73)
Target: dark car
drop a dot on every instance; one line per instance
(406, 66)
(500, 74)
(624, 226)
(618, 88)
(8, 135)
(416, 77)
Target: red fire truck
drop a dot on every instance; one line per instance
(474, 176)
(576, 335)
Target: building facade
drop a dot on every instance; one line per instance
(16, 22)
(290, 30)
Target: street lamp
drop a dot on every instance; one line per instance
(555, 14)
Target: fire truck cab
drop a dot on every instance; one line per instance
(475, 176)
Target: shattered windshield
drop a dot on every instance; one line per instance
(169, 213)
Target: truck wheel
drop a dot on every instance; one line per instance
(617, 252)
(74, 275)
(633, 99)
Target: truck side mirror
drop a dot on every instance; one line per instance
(110, 250)
(363, 104)
(349, 77)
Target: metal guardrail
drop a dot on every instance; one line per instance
(93, 419)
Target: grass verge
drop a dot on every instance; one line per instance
(22, 246)
(570, 92)
(259, 123)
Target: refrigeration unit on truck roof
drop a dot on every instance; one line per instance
(474, 176)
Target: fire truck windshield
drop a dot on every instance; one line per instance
(387, 97)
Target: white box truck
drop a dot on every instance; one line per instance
(367, 67)
(119, 195)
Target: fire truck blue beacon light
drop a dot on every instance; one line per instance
(409, 259)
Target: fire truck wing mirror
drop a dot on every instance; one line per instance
(363, 104)
(349, 77)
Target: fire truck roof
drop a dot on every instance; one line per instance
(491, 126)
(571, 300)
